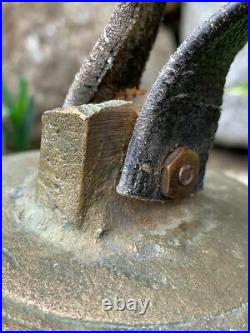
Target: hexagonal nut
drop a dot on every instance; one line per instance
(179, 173)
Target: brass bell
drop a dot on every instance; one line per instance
(91, 242)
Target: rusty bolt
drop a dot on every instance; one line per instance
(179, 173)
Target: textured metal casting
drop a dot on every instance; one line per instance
(189, 258)
(183, 106)
(119, 56)
(80, 146)
(70, 240)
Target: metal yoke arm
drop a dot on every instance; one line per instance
(183, 106)
(119, 56)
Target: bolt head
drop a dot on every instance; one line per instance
(186, 175)
(179, 173)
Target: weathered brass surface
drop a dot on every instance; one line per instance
(179, 173)
(189, 259)
(80, 147)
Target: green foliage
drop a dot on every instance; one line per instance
(17, 117)
(238, 90)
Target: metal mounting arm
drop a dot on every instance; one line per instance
(119, 56)
(183, 107)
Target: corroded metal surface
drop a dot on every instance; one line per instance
(80, 147)
(189, 259)
(119, 56)
(183, 106)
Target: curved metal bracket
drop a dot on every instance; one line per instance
(183, 106)
(119, 56)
